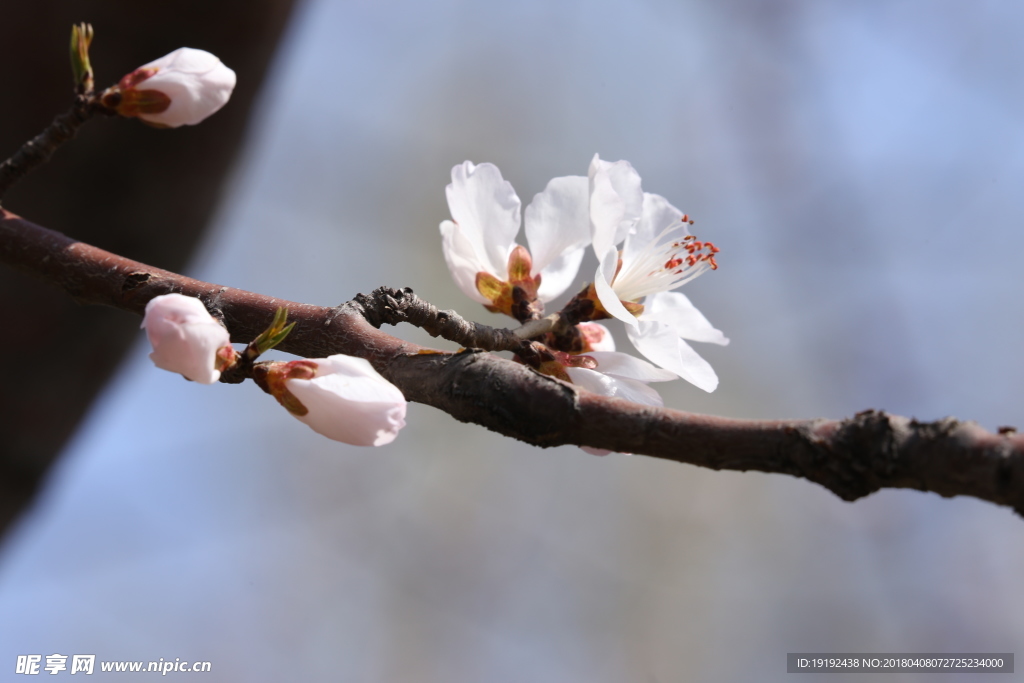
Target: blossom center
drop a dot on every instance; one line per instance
(517, 296)
(672, 259)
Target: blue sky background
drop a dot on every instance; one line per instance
(860, 167)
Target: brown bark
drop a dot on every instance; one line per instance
(852, 457)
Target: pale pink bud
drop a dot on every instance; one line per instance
(597, 337)
(181, 88)
(348, 401)
(186, 339)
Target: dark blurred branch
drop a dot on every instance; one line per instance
(852, 457)
(38, 150)
(117, 176)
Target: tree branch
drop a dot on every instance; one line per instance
(37, 150)
(393, 306)
(852, 457)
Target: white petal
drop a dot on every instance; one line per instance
(675, 309)
(186, 60)
(660, 343)
(197, 82)
(616, 202)
(591, 380)
(558, 221)
(349, 401)
(463, 260)
(487, 209)
(559, 274)
(629, 367)
(606, 385)
(638, 392)
(606, 210)
(184, 336)
(657, 215)
(609, 299)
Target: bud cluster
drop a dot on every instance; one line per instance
(340, 397)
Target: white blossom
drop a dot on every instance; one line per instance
(186, 339)
(657, 254)
(481, 236)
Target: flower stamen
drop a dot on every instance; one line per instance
(667, 262)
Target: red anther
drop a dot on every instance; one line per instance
(714, 264)
(691, 260)
(672, 263)
(686, 218)
(689, 238)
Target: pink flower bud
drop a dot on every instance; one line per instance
(181, 88)
(348, 401)
(340, 397)
(596, 337)
(186, 339)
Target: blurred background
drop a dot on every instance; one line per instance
(859, 165)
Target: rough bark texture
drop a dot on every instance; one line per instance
(118, 176)
(852, 457)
